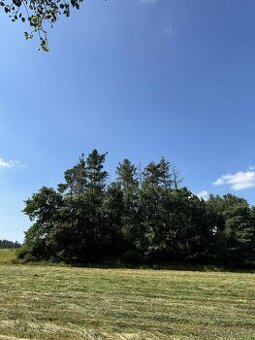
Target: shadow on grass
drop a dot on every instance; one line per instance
(145, 266)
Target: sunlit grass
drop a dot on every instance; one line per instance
(50, 302)
(7, 255)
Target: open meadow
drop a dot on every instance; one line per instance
(7, 256)
(56, 302)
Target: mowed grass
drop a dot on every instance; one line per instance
(50, 302)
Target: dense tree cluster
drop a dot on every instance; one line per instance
(4, 244)
(140, 217)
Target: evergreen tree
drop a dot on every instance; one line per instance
(166, 178)
(76, 178)
(192, 227)
(95, 172)
(113, 210)
(154, 222)
(128, 182)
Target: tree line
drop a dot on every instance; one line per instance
(142, 217)
(6, 244)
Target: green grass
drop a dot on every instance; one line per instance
(7, 256)
(50, 302)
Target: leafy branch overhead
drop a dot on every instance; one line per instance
(39, 14)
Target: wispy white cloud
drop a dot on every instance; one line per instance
(238, 181)
(147, 2)
(9, 164)
(169, 30)
(203, 194)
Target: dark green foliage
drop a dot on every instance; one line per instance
(76, 178)
(140, 220)
(234, 230)
(128, 182)
(5, 244)
(192, 225)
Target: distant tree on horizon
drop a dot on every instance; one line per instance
(4, 244)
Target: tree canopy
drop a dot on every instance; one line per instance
(147, 218)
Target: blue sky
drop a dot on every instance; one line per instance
(138, 78)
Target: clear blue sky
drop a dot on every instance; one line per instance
(139, 79)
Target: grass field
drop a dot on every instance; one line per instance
(50, 302)
(7, 256)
